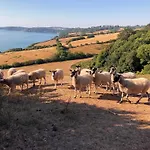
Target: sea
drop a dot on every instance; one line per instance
(21, 39)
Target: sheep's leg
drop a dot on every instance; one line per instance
(40, 81)
(56, 84)
(80, 88)
(106, 87)
(121, 100)
(95, 89)
(33, 83)
(10, 89)
(61, 82)
(22, 87)
(89, 90)
(27, 85)
(110, 87)
(44, 80)
(127, 97)
(75, 92)
(148, 96)
(139, 99)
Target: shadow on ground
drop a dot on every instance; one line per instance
(29, 122)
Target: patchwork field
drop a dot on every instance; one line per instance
(21, 56)
(45, 118)
(100, 38)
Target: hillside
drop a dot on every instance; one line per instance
(100, 38)
(130, 52)
(47, 49)
(22, 56)
(44, 118)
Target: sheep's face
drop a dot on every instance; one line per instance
(30, 77)
(73, 73)
(93, 72)
(53, 74)
(116, 77)
(112, 70)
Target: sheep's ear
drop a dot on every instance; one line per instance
(90, 72)
(50, 70)
(70, 70)
(100, 71)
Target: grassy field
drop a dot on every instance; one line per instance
(22, 56)
(100, 38)
(93, 48)
(45, 118)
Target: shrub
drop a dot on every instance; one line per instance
(90, 35)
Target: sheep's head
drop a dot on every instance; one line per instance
(3, 81)
(53, 73)
(112, 70)
(116, 77)
(73, 73)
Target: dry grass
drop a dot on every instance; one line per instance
(93, 48)
(52, 42)
(100, 38)
(22, 56)
(35, 119)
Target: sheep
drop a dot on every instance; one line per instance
(37, 74)
(11, 71)
(1, 74)
(14, 80)
(101, 78)
(81, 81)
(127, 75)
(82, 71)
(57, 75)
(132, 86)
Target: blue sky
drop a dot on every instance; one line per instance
(74, 13)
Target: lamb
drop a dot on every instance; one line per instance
(132, 86)
(11, 71)
(14, 80)
(37, 74)
(57, 75)
(81, 81)
(1, 74)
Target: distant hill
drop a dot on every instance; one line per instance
(35, 29)
(64, 31)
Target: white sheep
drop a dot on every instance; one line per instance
(14, 80)
(37, 74)
(132, 86)
(1, 74)
(11, 71)
(127, 75)
(57, 75)
(81, 82)
(101, 78)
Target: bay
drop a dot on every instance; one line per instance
(21, 39)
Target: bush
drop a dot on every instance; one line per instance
(146, 69)
(90, 35)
